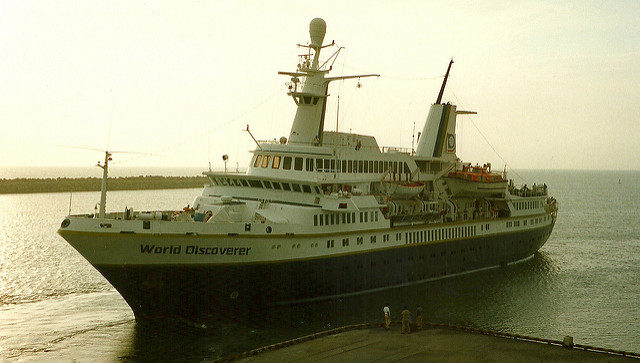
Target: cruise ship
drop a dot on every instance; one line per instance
(317, 215)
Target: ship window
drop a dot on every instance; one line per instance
(257, 161)
(348, 217)
(265, 161)
(329, 243)
(286, 186)
(380, 166)
(255, 183)
(267, 184)
(344, 218)
(315, 100)
(327, 165)
(385, 166)
(326, 219)
(360, 166)
(307, 99)
(276, 185)
(296, 187)
(276, 162)
(318, 164)
(366, 217)
(333, 165)
(309, 164)
(317, 190)
(366, 167)
(315, 219)
(286, 164)
(306, 188)
(361, 217)
(375, 167)
(372, 239)
(350, 166)
(353, 217)
(332, 220)
(321, 220)
(371, 166)
(298, 163)
(344, 166)
(345, 242)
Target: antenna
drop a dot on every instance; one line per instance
(254, 139)
(70, 197)
(444, 83)
(338, 113)
(413, 137)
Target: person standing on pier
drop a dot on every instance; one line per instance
(406, 316)
(387, 316)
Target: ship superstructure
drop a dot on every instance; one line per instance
(318, 215)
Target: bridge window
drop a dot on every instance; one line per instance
(265, 161)
(366, 167)
(327, 165)
(255, 183)
(296, 187)
(321, 219)
(371, 166)
(345, 242)
(349, 218)
(286, 186)
(267, 184)
(360, 166)
(298, 164)
(350, 166)
(276, 162)
(257, 161)
(318, 164)
(276, 185)
(286, 164)
(315, 219)
(344, 166)
(375, 167)
(306, 188)
(309, 164)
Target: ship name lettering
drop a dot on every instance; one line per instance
(230, 251)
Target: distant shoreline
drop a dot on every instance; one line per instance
(57, 185)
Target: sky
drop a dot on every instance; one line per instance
(555, 84)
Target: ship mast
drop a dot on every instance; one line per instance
(444, 83)
(311, 100)
(103, 190)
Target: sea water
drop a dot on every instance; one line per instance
(583, 283)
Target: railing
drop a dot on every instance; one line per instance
(397, 150)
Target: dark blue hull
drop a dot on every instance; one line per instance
(211, 292)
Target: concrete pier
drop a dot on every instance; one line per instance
(434, 343)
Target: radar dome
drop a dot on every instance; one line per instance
(317, 29)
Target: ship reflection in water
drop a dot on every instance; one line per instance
(494, 299)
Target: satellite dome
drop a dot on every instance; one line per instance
(317, 29)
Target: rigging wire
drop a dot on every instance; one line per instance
(487, 141)
(208, 133)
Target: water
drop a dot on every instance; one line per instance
(583, 283)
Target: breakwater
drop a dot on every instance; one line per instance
(54, 185)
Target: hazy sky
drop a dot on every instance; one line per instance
(555, 84)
